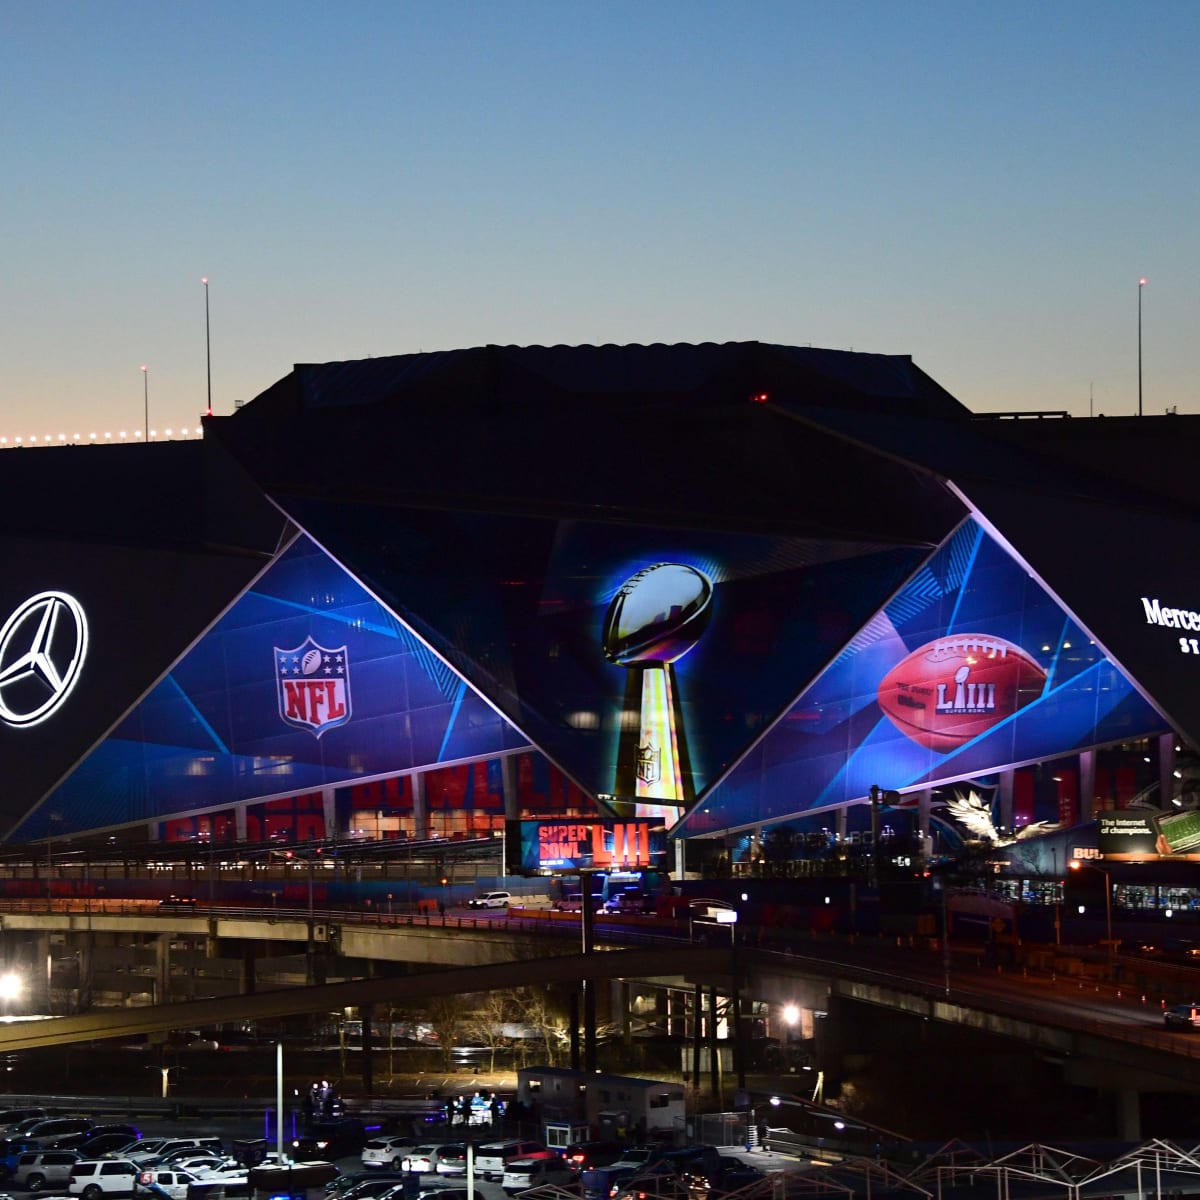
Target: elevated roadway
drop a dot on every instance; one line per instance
(1107, 1037)
(681, 961)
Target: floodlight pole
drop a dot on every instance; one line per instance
(207, 344)
(279, 1101)
(1141, 286)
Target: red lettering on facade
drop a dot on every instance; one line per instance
(296, 704)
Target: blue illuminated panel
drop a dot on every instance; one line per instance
(971, 668)
(305, 682)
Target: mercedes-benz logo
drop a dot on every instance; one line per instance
(42, 648)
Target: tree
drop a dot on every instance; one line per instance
(444, 1017)
(550, 1032)
(486, 1021)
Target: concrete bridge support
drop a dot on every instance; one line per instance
(1129, 1115)
(43, 965)
(247, 977)
(162, 968)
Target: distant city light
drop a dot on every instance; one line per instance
(11, 441)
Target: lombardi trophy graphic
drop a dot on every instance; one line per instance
(655, 618)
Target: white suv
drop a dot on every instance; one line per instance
(491, 900)
(492, 1157)
(96, 1177)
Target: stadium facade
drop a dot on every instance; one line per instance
(730, 588)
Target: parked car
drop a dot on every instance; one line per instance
(382, 1152)
(105, 1144)
(440, 1158)
(11, 1149)
(637, 1156)
(346, 1182)
(40, 1169)
(381, 1183)
(14, 1116)
(524, 1173)
(602, 1183)
(573, 902)
(451, 1159)
(46, 1131)
(22, 1128)
(331, 1139)
(202, 1164)
(582, 1155)
(492, 1157)
(421, 1158)
(96, 1177)
(490, 900)
(660, 1181)
(158, 1148)
(84, 1141)
(177, 1154)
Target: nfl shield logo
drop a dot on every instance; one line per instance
(313, 683)
(649, 763)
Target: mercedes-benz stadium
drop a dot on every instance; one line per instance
(722, 597)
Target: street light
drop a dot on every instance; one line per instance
(146, 399)
(10, 988)
(207, 345)
(1076, 865)
(1141, 285)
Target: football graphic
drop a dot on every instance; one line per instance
(953, 689)
(657, 615)
(311, 662)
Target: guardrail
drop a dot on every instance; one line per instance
(631, 929)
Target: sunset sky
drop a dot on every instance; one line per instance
(977, 185)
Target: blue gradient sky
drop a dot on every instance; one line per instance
(977, 185)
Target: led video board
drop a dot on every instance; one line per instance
(1140, 835)
(305, 682)
(600, 845)
(643, 662)
(972, 667)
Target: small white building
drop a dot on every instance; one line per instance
(574, 1105)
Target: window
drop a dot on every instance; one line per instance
(660, 1100)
